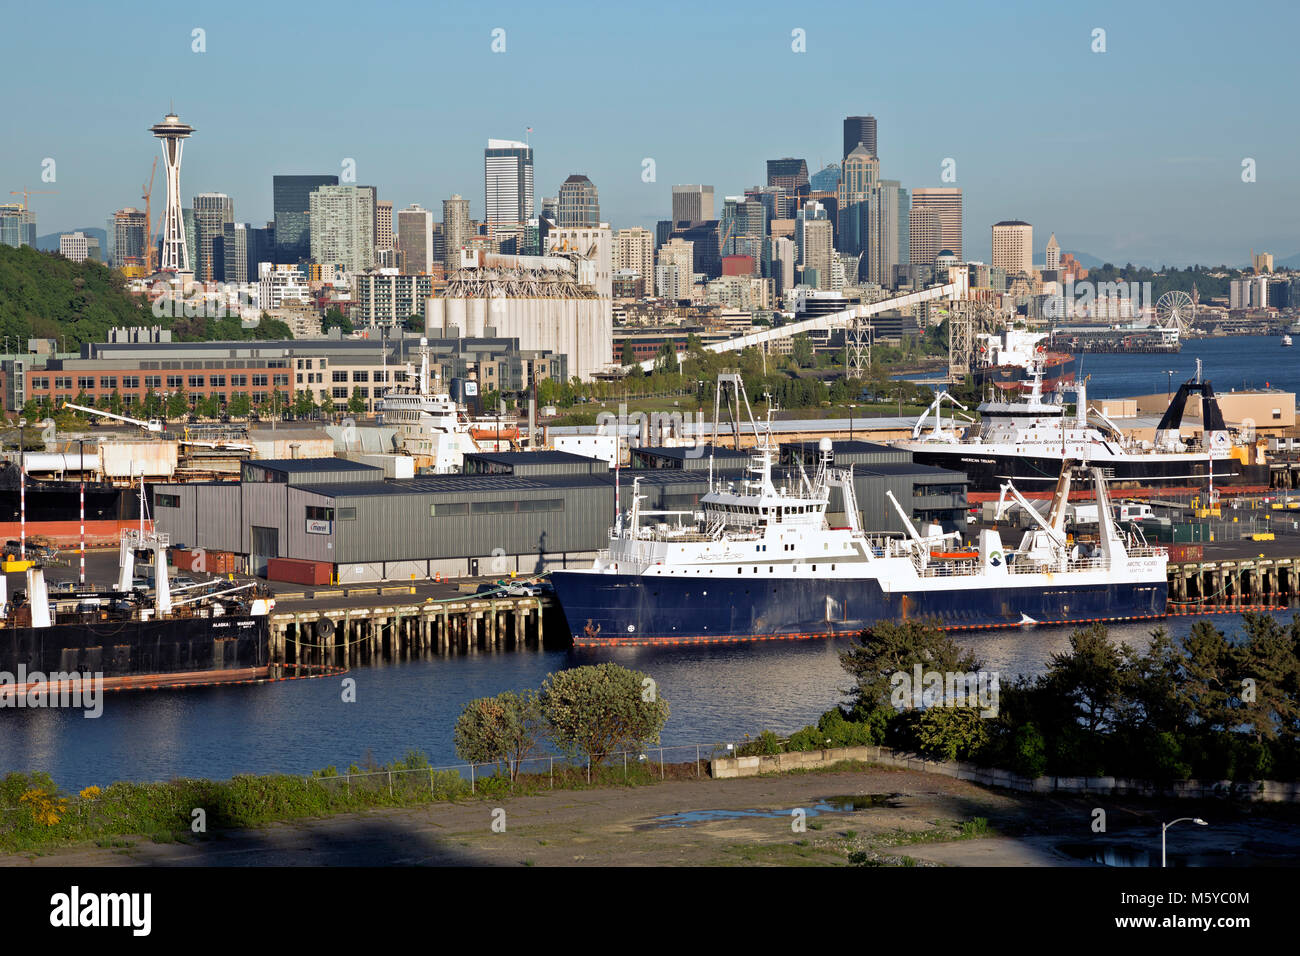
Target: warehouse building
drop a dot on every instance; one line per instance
(515, 511)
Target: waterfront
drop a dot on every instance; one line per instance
(1229, 362)
(717, 693)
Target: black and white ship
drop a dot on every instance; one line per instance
(1027, 438)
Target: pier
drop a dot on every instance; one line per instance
(355, 626)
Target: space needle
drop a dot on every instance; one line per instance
(173, 133)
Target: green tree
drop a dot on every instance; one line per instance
(152, 405)
(596, 710)
(504, 729)
(334, 318)
(629, 356)
(801, 350)
(178, 404)
(888, 649)
(1088, 678)
(209, 406)
(240, 405)
(303, 404)
(356, 404)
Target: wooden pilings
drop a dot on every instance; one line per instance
(1235, 581)
(352, 636)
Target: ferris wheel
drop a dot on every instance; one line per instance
(1176, 310)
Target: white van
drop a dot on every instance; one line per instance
(1132, 511)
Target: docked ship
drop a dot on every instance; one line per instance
(431, 426)
(53, 500)
(759, 562)
(172, 637)
(1027, 438)
(1003, 360)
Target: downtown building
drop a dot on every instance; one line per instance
(388, 297)
(1013, 247)
(456, 230)
(692, 203)
(291, 201)
(634, 252)
(17, 225)
(508, 182)
(946, 205)
(579, 204)
(343, 227)
(212, 213)
(414, 241)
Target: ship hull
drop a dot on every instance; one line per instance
(119, 649)
(987, 471)
(604, 609)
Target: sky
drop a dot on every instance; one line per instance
(1131, 154)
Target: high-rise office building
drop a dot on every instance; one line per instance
(1052, 262)
(946, 201)
(551, 208)
(76, 246)
(887, 231)
(692, 203)
(456, 230)
(383, 225)
(212, 213)
(860, 130)
(675, 273)
(291, 201)
(788, 173)
(343, 227)
(415, 239)
(234, 249)
(826, 179)
(813, 236)
(778, 263)
(634, 250)
(860, 174)
(126, 240)
(17, 225)
(579, 202)
(508, 182)
(926, 236)
(1013, 246)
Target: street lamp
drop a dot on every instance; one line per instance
(1164, 827)
(1170, 385)
(851, 407)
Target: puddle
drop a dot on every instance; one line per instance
(1125, 854)
(841, 804)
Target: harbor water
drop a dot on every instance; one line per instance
(717, 693)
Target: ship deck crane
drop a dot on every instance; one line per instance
(151, 425)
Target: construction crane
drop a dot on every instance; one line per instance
(27, 193)
(147, 196)
(152, 425)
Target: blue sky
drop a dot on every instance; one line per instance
(1134, 153)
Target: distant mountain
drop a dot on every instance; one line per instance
(50, 243)
(1290, 262)
(1084, 259)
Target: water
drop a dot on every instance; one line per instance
(716, 694)
(848, 804)
(1233, 362)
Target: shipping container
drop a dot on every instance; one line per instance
(291, 571)
(198, 559)
(1186, 553)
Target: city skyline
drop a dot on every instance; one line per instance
(1128, 126)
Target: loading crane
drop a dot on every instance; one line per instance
(28, 193)
(147, 196)
(151, 425)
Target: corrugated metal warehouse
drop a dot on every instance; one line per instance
(520, 511)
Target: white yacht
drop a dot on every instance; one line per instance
(431, 427)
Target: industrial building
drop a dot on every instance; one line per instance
(543, 301)
(515, 511)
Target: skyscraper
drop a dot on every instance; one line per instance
(126, 241)
(860, 130)
(813, 238)
(946, 201)
(291, 201)
(692, 203)
(860, 174)
(887, 231)
(1013, 246)
(383, 225)
(234, 248)
(342, 226)
(212, 212)
(173, 133)
(788, 173)
(579, 203)
(17, 225)
(455, 229)
(634, 249)
(415, 239)
(926, 236)
(1053, 260)
(508, 182)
